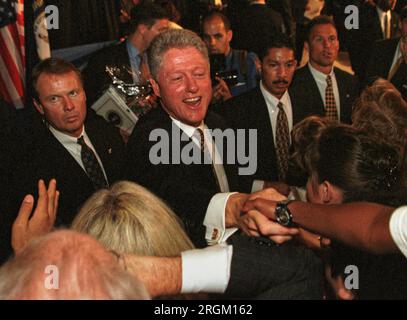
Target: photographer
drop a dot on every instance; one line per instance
(233, 71)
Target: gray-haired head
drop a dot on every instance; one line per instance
(173, 39)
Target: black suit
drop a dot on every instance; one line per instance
(249, 111)
(283, 272)
(382, 58)
(362, 40)
(48, 158)
(381, 62)
(96, 79)
(187, 188)
(305, 95)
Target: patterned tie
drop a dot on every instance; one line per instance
(330, 105)
(143, 69)
(282, 142)
(202, 145)
(92, 166)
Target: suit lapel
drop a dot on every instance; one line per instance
(317, 101)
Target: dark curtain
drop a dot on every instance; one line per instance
(84, 21)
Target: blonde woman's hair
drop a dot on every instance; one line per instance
(128, 218)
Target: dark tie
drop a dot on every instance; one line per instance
(92, 166)
(330, 105)
(202, 145)
(282, 142)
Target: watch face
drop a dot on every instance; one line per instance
(284, 218)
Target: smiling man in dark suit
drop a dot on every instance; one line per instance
(319, 87)
(201, 192)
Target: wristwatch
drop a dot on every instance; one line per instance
(283, 214)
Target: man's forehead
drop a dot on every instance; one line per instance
(214, 22)
(279, 54)
(323, 29)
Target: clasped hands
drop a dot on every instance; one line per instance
(254, 215)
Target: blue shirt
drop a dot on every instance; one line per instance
(245, 82)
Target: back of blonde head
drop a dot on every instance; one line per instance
(130, 219)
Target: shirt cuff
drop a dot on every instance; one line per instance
(206, 270)
(398, 228)
(216, 231)
(257, 185)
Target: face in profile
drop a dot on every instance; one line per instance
(323, 46)
(277, 70)
(183, 83)
(158, 27)
(62, 101)
(216, 37)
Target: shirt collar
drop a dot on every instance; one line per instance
(318, 75)
(189, 130)
(132, 50)
(272, 100)
(64, 138)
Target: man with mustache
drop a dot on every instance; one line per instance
(269, 108)
(319, 87)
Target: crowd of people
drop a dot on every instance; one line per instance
(167, 212)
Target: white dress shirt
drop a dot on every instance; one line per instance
(398, 54)
(398, 228)
(320, 79)
(272, 102)
(214, 221)
(206, 270)
(74, 148)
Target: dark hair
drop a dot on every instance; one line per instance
(355, 163)
(381, 112)
(317, 21)
(278, 41)
(216, 13)
(51, 66)
(147, 14)
(303, 135)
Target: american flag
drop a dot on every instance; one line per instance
(12, 52)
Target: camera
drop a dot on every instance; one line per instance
(218, 66)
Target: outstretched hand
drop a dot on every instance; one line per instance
(42, 220)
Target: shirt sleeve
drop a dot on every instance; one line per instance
(398, 228)
(216, 231)
(206, 270)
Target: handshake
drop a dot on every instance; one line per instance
(255, 214)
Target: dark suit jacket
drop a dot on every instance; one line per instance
(47, 158)
(186, 188)
(306, 97)
(363, 39)
(96, 80)
(381, 59)
(249, 111)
